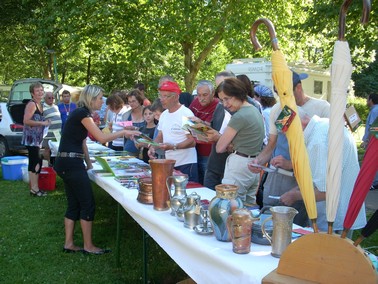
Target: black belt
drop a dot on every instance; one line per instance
(243, 155)
(70, 155)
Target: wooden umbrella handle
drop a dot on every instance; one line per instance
(342, 16)
(271, 31)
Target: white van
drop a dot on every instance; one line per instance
(259, 71)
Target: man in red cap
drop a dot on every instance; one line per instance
(178, 143)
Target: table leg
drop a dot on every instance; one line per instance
(145, 254)
(118, 239)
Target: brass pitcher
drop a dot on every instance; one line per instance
(160, 170)
(178, 184)
(282, 217)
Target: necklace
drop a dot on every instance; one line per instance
(69, 107)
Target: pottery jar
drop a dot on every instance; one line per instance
(222, 206)
(239, 225)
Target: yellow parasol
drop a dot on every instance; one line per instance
(282, 78)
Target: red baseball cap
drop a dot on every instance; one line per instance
(169, 86)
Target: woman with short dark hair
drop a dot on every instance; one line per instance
(244, 134)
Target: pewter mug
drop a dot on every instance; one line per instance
(282, 228)
(178, 184)
(192, 210)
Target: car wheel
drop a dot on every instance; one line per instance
(4, 149)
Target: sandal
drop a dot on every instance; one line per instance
(38, 193)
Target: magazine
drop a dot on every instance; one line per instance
(197, 129)
(285, 118)
(144, 139)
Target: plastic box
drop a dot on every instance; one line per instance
(47, 179)
(11, 167)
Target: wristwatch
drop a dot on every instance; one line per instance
(174, 147)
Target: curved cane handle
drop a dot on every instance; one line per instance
(342, 16)
(271, 30)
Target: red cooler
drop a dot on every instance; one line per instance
(47, 179)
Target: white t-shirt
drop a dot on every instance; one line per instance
(170, 124)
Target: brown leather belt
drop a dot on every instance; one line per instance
(243, 155)
(70, 155)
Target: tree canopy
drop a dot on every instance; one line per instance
(118, 43)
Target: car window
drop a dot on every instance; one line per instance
(21, 92)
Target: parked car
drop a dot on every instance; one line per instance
(12, 113)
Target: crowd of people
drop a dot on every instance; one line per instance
(241, 136)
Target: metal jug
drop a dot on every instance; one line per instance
(160, 170)
(192, 210)
(282, 228)
(178, 185)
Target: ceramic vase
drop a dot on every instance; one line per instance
(222, 206)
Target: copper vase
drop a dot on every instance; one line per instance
(160, 170)
(145, 190)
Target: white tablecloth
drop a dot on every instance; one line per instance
(203, 258)
(93, 147)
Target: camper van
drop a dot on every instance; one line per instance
(259, 71)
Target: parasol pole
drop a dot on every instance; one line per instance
(370, 228)
(341, 72)
(362, 185)
(301, 165)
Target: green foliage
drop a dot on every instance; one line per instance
(366, 81)
(118, 43)
(360, 106)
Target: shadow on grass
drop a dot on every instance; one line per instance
(32, 237)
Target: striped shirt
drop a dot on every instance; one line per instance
(52, 113)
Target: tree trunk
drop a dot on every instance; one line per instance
(193, 67)
(89, 69)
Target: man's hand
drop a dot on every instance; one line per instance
(281, 162)
(252, 168)
(195, 119)
(212, 135)
(151, 153)
(290, 197)
(364, 145)
(166, 146)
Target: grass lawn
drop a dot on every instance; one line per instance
(32, 238)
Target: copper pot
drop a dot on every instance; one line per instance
(160, 170)
(145, 190)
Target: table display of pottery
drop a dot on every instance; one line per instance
(177, 235)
